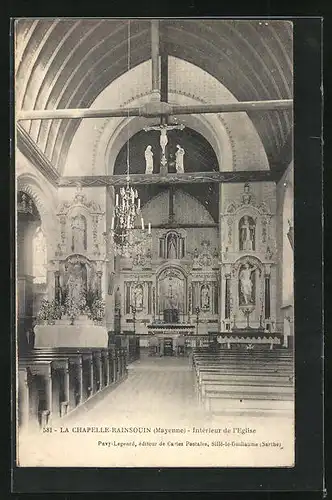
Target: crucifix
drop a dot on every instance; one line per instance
(164, 141)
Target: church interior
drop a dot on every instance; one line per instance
(154, 200)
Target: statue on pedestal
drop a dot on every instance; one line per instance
(246, 196)
(247, 234)
(148, 160)
(179, 159)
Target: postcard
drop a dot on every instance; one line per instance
(155, 242)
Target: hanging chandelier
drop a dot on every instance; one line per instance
(128, 238)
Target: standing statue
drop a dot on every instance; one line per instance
(148, 160)
(78, 225)
(246, 196)
(246, 235)
(171, 247)
(246, 283)
(179, 160)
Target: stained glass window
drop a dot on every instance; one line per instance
(39, 257)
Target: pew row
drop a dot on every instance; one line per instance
(52, 382)
(244, 381)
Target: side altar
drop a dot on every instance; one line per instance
(74, 314)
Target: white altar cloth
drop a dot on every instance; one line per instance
(71, 336)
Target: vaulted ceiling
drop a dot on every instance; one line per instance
(66, 63)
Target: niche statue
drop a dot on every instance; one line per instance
(247, 233)
(246, 282)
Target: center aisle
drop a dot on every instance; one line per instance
(156, 390)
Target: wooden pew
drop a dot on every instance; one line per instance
(27, 398)
(244, 380)
(76, 366)
(41, 391)
(59, 385)
(84, 371)
(91, 366)
(270, 385)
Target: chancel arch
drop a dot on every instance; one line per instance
(234, 139)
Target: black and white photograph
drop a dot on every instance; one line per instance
(154, 190)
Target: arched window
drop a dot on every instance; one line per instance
(39, 256)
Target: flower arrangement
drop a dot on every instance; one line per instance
(97, 310)
(49, 311)
(91, 305)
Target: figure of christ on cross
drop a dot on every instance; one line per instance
(163, 128)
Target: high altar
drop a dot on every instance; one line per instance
(185, 280)
(202, 281)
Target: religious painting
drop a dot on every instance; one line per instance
(75, 285)
(171, 286)
(79, 234)
(137, 292)
(205, 297)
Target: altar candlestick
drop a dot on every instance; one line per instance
(112, 224)
(139, 204)
(149, 231)
(116, 200)
(142, 221)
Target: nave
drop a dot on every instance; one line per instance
(161, 400)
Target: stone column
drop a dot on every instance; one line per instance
(153, 304)
(99, 283)
(57, 288)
